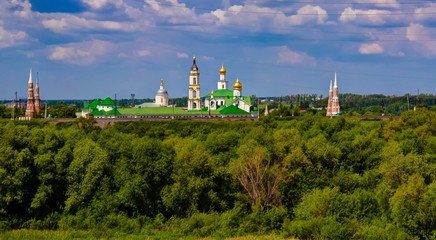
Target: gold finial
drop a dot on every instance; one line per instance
(237, 85)
(223, 70)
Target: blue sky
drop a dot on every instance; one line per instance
(85, 49)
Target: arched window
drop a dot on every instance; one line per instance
(194, 80)
(194, 94)
(161, 100)
(194, 105)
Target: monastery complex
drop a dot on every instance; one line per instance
(222, 101)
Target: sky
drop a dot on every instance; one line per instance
(86, 49)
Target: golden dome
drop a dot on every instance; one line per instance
(237, 85)
(223, 70)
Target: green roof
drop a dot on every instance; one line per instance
(93, 104)
(222, 93)
(233, 110)
(107, 102)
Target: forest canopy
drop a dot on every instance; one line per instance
(308, 177)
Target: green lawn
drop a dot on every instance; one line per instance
(160, 111)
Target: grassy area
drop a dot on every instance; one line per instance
(81, 234)
(160, 111)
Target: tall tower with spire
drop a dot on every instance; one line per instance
(37, 100)
(333, 108)
(194, 99)
(30, 108)
(222, 83)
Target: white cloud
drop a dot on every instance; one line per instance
(426, 13)
(143, 53)
(70, 22)
(414, 30)
(96, 4)
(307, 14)
(382, 3)
(257, 18)
(172, 11)
(371, 48)
(419, 35)
(23, 8)
(9, 38)
(371, 16)
(182, 55)
(80, 53)
(288, 56)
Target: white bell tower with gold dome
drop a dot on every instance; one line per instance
(194, 97)
(222, 83)
(237, 89)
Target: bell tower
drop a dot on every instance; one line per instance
(194, 98)
(222, 83)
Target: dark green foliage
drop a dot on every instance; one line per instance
(310, 177)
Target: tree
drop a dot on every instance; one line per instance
(62, 111)
(258, 175)
(84, 174)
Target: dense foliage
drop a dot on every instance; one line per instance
(309, 177)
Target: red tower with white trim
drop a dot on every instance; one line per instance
(333, 107)
(30, 108)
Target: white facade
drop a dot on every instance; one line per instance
(222, 83)
(161, 97)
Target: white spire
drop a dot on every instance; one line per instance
(331, 88)
(336, 82)
(30, 76)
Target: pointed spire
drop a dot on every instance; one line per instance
(161, 83)
(194, 64)
(30, 76)
(336, 82)
(331, 88)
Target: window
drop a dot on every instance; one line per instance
(194, 105)
(194, 94)
(194, 80)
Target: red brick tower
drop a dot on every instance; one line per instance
(37, 102)
(30, 108)
(333, 108)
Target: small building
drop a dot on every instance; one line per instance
(160, 100)
(100, 108)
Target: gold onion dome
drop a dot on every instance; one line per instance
(237, 85)
(223, 70)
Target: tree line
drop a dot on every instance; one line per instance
(307, 177)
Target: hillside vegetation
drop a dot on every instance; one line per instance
(310, 177)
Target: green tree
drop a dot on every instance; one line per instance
(84, 173)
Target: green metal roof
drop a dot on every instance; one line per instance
(222, 93)
(233, 110)
(107, 102)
